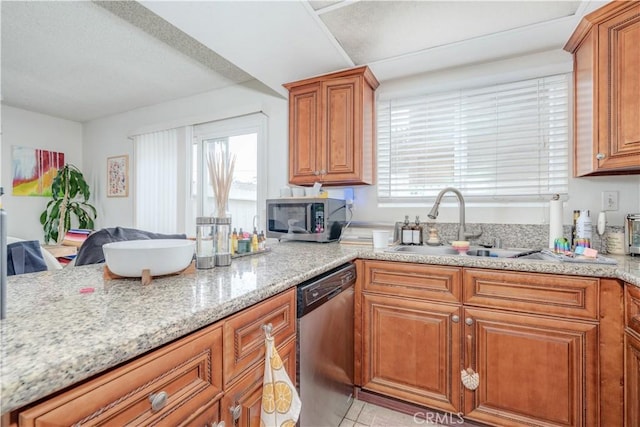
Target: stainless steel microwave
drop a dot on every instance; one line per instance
(307, 219)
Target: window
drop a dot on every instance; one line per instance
(172, 179)
(504, 142)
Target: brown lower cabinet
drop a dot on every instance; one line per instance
(411, 350)
(533, 370)
(632, 379)
(241, 403)
(182, 383)
(632, 356)
(546, 349)
(171, 386)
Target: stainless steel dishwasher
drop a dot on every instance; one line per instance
(325, 347)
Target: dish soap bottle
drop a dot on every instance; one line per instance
(584, 226)
(406, 233)
(417, 232)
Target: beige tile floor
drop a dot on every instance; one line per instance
(362, 414)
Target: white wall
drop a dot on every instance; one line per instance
(28, 129)
(584, 193)
(109, 137)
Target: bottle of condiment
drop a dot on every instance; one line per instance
(254, 240)
(262, 241)
(234, 242)
(416, 232)
(406, 235)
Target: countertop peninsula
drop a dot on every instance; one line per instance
(67, 325)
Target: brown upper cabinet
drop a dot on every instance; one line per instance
(332, 128)
(606, 52)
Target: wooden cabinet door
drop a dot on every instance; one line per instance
(342, 129)
(241, 404)
(632, 380)
(411, 350)
(532, 370)
(305, 149)
(619, 100)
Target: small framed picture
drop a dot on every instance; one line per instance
(118, 176)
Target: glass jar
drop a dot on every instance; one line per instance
(223, 241)
(205, 239)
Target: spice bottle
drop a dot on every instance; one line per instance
(416, 232)
(406, 232)
(254, 240)
(234, 242)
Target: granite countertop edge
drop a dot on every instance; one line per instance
(32, 380)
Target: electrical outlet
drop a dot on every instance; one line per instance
(609, 200)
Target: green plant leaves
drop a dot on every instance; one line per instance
(70, 189)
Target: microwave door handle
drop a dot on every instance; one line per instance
(309, 225)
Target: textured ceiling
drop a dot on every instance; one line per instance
(78, 61)
(375, 31)
(83, 60)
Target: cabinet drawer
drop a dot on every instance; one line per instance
(244, 336)
(188, 371)
(548, 294)
(632, 307)
(421, 281)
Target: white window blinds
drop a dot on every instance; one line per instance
(505, 142)
(156, 172)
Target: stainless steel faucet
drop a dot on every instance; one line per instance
(462, 232)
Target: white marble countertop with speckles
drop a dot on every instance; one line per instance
(55, 335)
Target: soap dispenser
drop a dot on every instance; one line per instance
(406, 235)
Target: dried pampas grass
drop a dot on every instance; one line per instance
(221, 177)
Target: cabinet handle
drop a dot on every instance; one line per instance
(323, 172)
(158, 400)
(236, 411)
(468, 321)
(215, 424)
(455, 318)
(316, 173)
(600, 156)
(470, 378)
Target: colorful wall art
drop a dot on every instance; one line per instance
(34, 170)
(118, 176)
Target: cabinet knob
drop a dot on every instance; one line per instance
(468, 321)
(316, 173)
(236, 411)
(455, 318)
(323, 172)
(158, 400)
(600, 156)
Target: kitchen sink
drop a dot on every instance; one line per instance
(424, 250)
(473, 251)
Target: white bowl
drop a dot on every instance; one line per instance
(161, 256)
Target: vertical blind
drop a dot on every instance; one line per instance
(156, 172)
(500, 143)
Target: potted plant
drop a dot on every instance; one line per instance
(70, 196)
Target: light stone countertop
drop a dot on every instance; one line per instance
(55, 335)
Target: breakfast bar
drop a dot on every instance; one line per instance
(68, 325)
